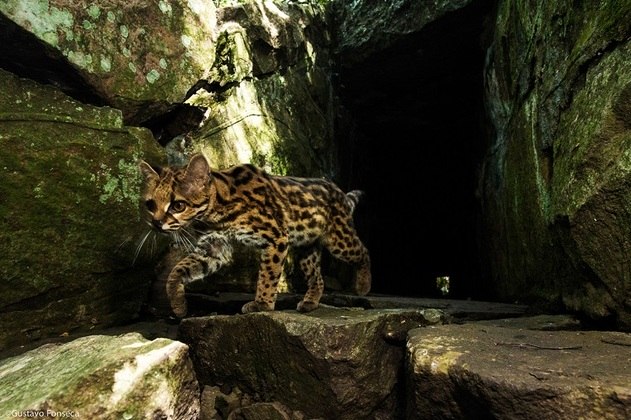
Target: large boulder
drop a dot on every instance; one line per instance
(556, 183)
(69, 219)
(100, 376)
(137, 56)
(331, 363)
(484, 371)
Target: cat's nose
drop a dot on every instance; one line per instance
(157, 223)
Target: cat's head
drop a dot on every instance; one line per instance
(174, 197)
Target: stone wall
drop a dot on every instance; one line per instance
(556, 182)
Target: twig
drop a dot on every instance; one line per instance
(535, 346)
(614, 342)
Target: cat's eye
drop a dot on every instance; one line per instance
(177, 206)
(151, 205)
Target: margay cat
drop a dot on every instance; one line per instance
(269, 212)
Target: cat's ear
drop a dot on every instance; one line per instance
(198, 170)
(149, 171)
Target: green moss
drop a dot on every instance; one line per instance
(70, 212)
(277, 161)
(232, 58)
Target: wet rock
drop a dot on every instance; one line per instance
(124, 376)
(69, 221)
(480, 371)
(331, 363)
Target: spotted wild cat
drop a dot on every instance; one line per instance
(246, 204)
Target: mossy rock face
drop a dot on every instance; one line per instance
(272, 123)
(556, 188)
(133, 54)
(69, 213)
(101, 376)
(269, 93)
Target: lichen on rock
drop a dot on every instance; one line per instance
(133, 54)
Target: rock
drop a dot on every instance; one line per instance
(474, 371)
(263, 411)
(235, 405)
(124, 376)
(69, 220)
(557, 179)
(330, 363)
(269, 90)
(137, 56)
(367, 27)
(451, 309)
(539, 322)
(436, 310)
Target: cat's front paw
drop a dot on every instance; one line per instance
(306, 306)
(177, 299)
(180, 310)
(256, 307)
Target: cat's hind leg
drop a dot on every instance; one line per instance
(310, 266)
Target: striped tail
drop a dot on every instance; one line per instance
(353, 197)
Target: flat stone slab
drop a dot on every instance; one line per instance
(453, 309)
(485, 371)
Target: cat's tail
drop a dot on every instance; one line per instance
(353, 197)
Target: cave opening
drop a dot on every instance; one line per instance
(412, 136)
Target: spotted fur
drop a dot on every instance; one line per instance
(244, 203)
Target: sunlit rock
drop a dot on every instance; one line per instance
(268, 96)
(99, 376)
(135, 55)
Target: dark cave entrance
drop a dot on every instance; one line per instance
(413, 140)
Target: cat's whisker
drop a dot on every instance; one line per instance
(190, 238)
(154, 245)
(122, 244)
(141, 243)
